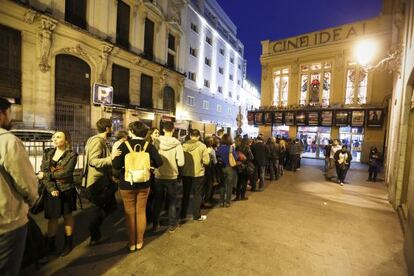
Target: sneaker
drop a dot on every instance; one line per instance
(172, 228)
(227, 205)
(202, 218)
(341, 183)
(244, 198)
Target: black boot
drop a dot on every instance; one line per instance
(68, 245)
(51, 250)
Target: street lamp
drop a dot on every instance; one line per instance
(365, 52)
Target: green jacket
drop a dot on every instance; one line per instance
(59, 178)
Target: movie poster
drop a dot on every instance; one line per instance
(358, 118)
(375, 117)
(278, 118)
(289, 118)
(258, 118)
(268, 118)
(300, 118)
(313, 118)
(250, 118)
(341, 118)
(326, 118)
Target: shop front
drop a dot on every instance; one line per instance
(314, 139)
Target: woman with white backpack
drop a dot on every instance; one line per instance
(136, 159)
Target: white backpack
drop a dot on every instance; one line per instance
(137, 164)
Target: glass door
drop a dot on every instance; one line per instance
(353, 139)
(314, 140)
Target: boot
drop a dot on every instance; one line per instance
(51, 250)
(68, 245)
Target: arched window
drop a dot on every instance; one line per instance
(280, 87)
(356, 84)
(315, 85)
(169, 99)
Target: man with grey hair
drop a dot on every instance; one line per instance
(18, 191)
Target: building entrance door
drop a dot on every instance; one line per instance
(314, 140)
(352, 137)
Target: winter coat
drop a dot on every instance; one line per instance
(18, 184)
(59, 178)
(223, 152)
(260, 153)
(196, 157)
(172, 156)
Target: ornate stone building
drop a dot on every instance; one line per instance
(54, 51)
(318, 71)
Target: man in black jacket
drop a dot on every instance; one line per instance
(260, 154)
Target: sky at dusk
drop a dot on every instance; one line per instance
(258, 20)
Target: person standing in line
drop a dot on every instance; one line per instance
(327, 153)
(374, 164)
(196, 157)
(18, 191)
(58, 165)
(260, 153)
(282, 156)
(343, 161)
(274, 155)
(135, 194)
(332, 166)
(172, 155)
(229, 173)
(97, 178)
(245, 157)
(210, 172)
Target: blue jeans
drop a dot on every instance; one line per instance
(229, 182)
(259, 173)
(11, 251)
(160, 187)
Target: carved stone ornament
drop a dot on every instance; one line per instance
(105, 52)
(265, 71)
(30, 16)
(47, 25)
(163, 78)
(140, 61)
(77, 51)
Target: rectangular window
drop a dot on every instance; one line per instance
(122, 25)
(350, 86)
(221, 70)
(207, 83)
(239, 66)
(231, 77)
(281, 87)
(238, 97)
(220, 89)
(192, 76)
(194, 27)
(10, 63)
(75, 12)
(229, 110)
(149, 39)
(207, 61)
(208, 40)
(171, 42)
(219, 108)
(190, 101)
(193, 52)
(232, 60)
(206, 105)
(171, 52)
(221, 51)
(146, 91)
(230, 94)
(362, 86)
(304, 90)
(120, 83)
(238, 82)
(171, 61)
(315, 84)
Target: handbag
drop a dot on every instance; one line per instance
(232, 161)
(102, 194)
(39, 204)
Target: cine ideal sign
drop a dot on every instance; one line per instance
(102, 94)
(319, 38)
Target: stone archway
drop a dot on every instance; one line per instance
(72, 95)
(169, 99)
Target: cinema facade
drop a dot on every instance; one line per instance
(314, 89)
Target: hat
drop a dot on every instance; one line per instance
(4, 104)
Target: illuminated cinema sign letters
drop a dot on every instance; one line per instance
(318, 38)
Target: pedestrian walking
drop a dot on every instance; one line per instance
(196, 157)
(56, 174)
(343, 161)
(135, 193)
(229, 170)
(327, 153)
(374, 164)
(97, 178)
(18, 191)
(331, 173)
(172, 155)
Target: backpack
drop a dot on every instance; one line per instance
(137, 164)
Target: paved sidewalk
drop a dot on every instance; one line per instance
(300, 225)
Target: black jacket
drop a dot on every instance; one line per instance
(119, 163)
(260, 153)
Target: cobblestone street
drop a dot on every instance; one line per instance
(300, 225)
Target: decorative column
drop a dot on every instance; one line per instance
(106, 50)
(48, 25)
